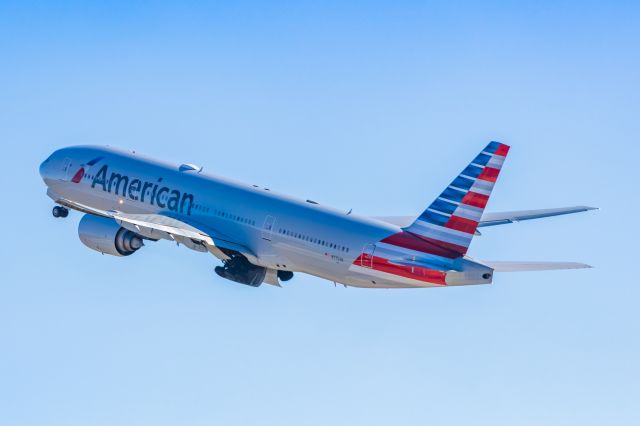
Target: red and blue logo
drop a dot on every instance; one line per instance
(77, 178)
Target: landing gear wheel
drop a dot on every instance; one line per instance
(59, 211)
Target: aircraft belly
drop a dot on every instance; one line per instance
(312, 262)
(351, 275)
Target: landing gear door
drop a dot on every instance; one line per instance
(267, 228)
(366, 260)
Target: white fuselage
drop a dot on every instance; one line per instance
(285, 233)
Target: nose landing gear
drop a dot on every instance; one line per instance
(59, 211)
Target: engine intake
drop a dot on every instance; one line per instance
(106, 236)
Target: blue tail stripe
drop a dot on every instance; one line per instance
(462, 182)
(431, 217)
(432, 223)
(482, 159)
(472, 171)
(443, 206)
(492, 147)
(453, 195)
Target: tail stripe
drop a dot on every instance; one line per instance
(453, 195)
(432, 217)
(425, 245)
(502, 149)
(452, 219)
(489, 173)
(444, 206)
(476, 200)
(472, 171)
(483, 159)
(443, 232)
(496, 161)
(482, 187)
(469, 212)
(463, 182)
(462, 224)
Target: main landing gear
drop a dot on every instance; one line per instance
(59, 211)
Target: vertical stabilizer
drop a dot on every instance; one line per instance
(451, 220)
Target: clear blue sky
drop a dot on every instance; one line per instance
(366, 105)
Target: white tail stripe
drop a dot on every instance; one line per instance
(468, 177)
(469, 212)
(439, 212)
(458, 189)
(449, 201)
(483, 187)
(496, 161)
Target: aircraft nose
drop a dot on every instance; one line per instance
(45, 166)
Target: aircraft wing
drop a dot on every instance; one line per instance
(156, 226)
(498, 218)
(194, 236)
(506, 266)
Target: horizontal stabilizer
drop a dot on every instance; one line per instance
(506, 266)
(498, 218)
(501, 218)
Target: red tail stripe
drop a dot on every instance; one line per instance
(426, 245)
(455, 249)
(414, 272)
(462, 224)
(502, 150)
(475, 199)
(489, 174)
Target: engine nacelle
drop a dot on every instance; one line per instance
(237, 268)
(106, 236)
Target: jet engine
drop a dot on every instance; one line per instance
(106, 236)
(237, 268)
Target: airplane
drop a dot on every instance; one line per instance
(261, 236)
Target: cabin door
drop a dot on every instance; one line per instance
(267, 228)
(366, 259)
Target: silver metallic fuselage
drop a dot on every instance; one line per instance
(284, 232)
